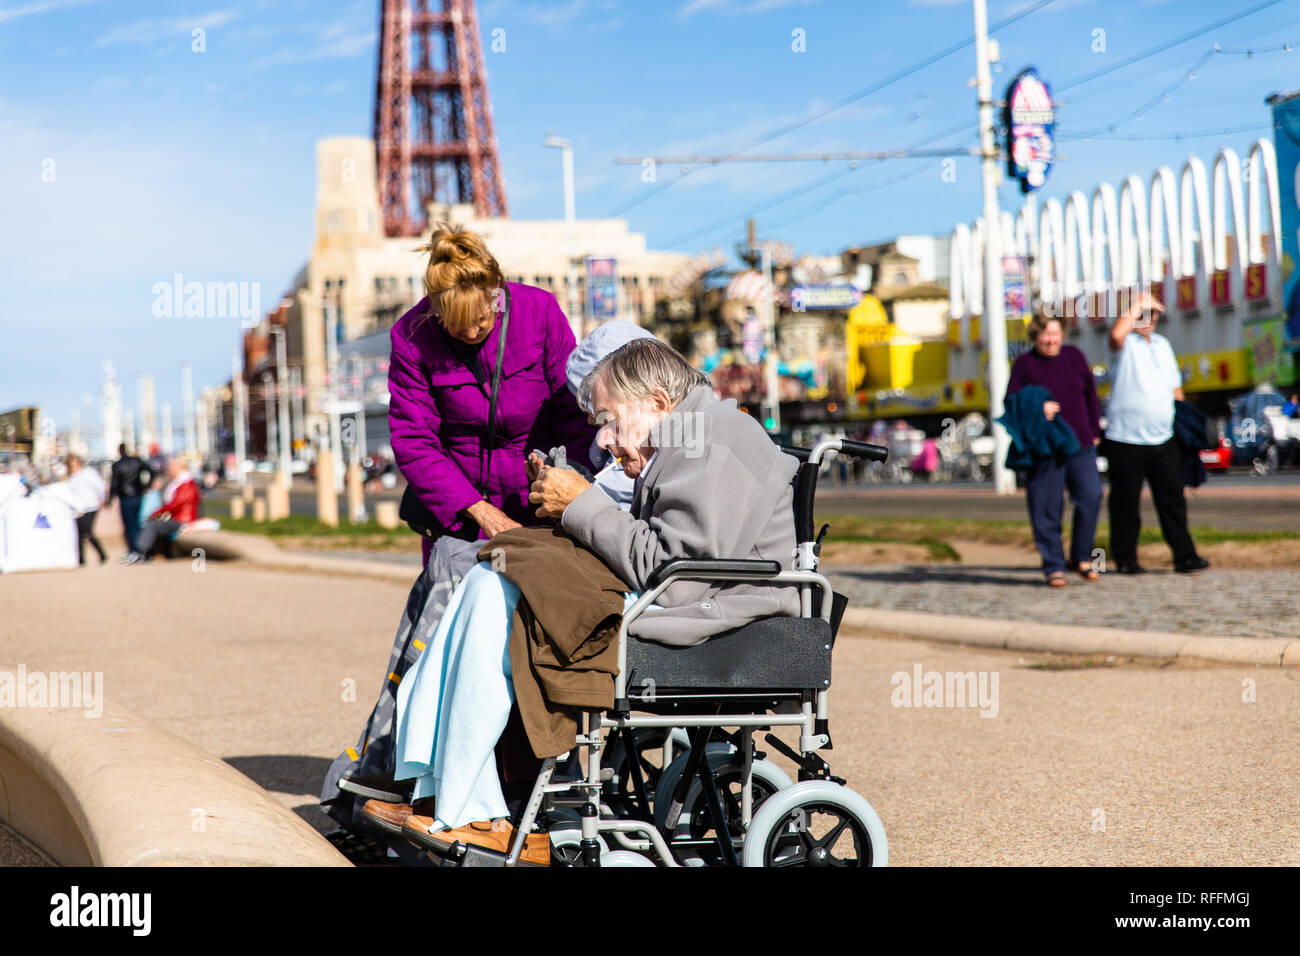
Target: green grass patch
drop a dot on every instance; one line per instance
(1068, 665)
(911, 530)
(1202, 535)
(309, 526)
(936, 549)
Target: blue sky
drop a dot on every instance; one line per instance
(166, 160)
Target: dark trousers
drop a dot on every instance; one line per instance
(1045, 484)
(130, 519)
(86, 531)
(1161, 467)
(153, 528)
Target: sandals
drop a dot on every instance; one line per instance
(1088, 573)
(1056, 579)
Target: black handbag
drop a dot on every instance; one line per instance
(412, 510)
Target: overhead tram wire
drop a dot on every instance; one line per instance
(1162, 97)
(1168, 44)
(892, 180)
(846, 100)
(1197, 134)
(1077, 81)
(767, 204)
(822, 181)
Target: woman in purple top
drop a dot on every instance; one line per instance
(444, 352)
(1063, 371)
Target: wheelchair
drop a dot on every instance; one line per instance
(713, 799)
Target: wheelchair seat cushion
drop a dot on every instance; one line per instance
(776, 653)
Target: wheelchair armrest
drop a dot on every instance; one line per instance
(749, 567)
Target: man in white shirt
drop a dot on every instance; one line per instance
(87, 486)
(1140, 443)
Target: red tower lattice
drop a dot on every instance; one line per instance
(433, 117)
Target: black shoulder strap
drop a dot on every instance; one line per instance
(496, 389)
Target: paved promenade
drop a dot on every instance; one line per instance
(1217, 601)
(275, 671)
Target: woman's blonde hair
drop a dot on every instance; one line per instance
(461, 276)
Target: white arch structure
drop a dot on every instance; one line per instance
(1174, 230)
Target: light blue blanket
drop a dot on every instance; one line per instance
(453, 704)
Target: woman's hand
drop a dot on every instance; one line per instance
(554, 489)
(1050, 409)
(491, 518)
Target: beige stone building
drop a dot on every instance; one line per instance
(372, 280)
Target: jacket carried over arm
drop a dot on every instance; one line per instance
(1033, 437)
(718, 488)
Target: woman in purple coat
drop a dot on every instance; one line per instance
(444, 354)
(1064, 371)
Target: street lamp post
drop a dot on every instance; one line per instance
(772, 402)
(570, 219)
(995, 327)
(238, 421)
(269, 413)
(282, 393)
(331, 385)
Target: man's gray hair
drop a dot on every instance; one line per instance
(632, 371)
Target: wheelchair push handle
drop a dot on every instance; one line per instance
(862, 449)
(845, 446)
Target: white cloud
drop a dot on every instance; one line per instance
(554, 14)
(152, 31)
(43, 6)
(733, 7)
(335, 41)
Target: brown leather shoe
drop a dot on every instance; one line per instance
(388, 817)
(498, 836)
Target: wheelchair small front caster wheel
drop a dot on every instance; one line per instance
(566, 846)
(816, 823)
(625, 858)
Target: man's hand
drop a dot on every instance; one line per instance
(1050, 409)
(491, 518)
(1136, 316)
(554, 489)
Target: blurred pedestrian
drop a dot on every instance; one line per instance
(1291, 407)
(1064, 371)
(127, 483)
(180, 506)
(1140, 442)
(87, 486)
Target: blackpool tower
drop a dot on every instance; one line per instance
(434, 140)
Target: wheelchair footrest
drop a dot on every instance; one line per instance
(467, 854)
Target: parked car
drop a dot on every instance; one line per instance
(1218, 458)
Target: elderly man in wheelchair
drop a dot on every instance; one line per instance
(726, 628)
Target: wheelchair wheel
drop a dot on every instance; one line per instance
(625, 858)
(566, 846)
(618, 794)
(816, 823)
(695, 822)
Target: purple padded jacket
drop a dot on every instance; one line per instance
(438, 411)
